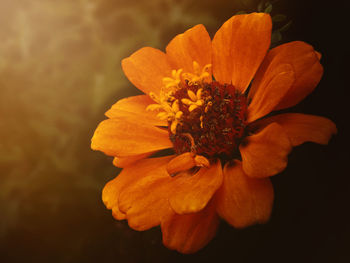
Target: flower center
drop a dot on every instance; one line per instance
(212, 121)
(205, 118)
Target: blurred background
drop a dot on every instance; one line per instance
(60, 71)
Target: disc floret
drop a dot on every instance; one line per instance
(206, 118)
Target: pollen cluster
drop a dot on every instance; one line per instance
(205, 118)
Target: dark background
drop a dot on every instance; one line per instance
(60, 71)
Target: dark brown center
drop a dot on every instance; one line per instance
(214, 129)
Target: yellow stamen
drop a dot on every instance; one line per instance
(178, 73)
(167, 80)
(201, 119)
(192, 107)
(191, 95)
(173, 126)
(186, 101)
(206, 68)
(153, 107)
(162, 115)
(199, 94)
(166, 100)
(178, 115)
(199, 102)
(196, 68)
(208, 106)
(174, 81)
(175, 107)
(154, 97)
(198, 75)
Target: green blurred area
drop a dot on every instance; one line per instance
(59, 72)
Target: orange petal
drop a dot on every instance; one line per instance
(193, 45)
(239, 47)
(136, 105)
(265, 153)
(127, 177)
(117, 214)
(125, 137)
(146, 68)
(243, 201)
(181, 163)
(110, 194)
(307, 68)
(129, 160)
(302, 128)
(319, 55)
(193, 192)
(269, 92)
(191, 232)
(186, 161)
(145, 200)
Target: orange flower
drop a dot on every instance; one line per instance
(198, 103)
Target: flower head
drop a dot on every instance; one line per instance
(208, 100)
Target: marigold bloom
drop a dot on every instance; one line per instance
(198, 103)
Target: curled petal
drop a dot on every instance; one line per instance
(186, 161)
(193, 45)
(126, 137)
(302, 128)
(243, 201)
(191, 232)
(265, 153)
(146, 68)
(239, 47)
(270, 91)
(193, 192)
(307, 69)
(181, 163)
